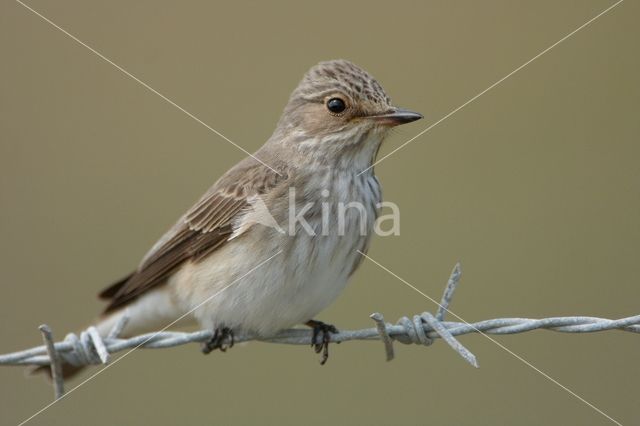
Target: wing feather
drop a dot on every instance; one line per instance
(203, 229)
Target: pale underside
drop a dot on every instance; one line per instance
(220, 240)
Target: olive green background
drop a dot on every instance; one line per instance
(534, 187)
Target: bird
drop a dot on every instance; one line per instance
(239, 260)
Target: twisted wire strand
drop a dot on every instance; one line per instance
(403, 332)
(90, 348)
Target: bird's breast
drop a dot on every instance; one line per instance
(342, 221)
(310, 263)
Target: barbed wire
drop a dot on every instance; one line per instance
(89, 348)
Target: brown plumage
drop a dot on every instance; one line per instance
(204, 228)
(330, 132)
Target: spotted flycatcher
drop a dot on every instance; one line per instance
(322, 151)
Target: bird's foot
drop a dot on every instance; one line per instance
(322, 344)
(222, 339)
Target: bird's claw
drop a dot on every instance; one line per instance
(320, 327)
(222, 339)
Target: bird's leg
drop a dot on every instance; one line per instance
(323, 345)
(222, 339)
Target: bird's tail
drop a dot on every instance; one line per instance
(68, 370)
(150, 312)
(104, 325)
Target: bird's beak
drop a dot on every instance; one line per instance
(396, 117)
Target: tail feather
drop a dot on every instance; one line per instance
(68, 370)
(104, 325)
(149, 312)
(110, 292)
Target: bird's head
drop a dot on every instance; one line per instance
(338, 108)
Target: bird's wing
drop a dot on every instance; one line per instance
(203, 229)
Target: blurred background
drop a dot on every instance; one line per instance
(534, 187)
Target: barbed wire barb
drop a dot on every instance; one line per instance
(89, 347)
(381, 326)
(54, 361)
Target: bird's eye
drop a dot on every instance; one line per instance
(336, 105)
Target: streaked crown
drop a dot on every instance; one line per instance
(340, 75)
(338, 110)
